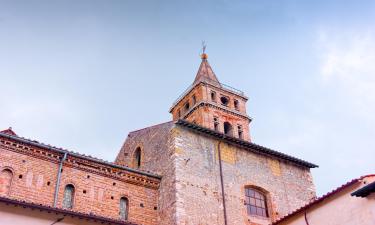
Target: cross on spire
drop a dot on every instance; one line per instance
(204, 47)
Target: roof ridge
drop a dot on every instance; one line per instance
(368, 175)
(134, 131)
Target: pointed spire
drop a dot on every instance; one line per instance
(205, 72)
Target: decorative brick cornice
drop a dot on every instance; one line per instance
(49, 153)
(192, 87)
(216, 106)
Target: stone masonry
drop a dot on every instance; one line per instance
(191, 194)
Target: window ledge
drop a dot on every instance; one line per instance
(257, 219)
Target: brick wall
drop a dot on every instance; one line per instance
(206, 108)
(98, 187)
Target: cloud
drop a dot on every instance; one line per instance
(334, 125)
(347, 63)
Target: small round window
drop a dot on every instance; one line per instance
(224, 100)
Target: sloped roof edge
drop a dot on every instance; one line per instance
(87, 157)
(320, 199)
(248, 145)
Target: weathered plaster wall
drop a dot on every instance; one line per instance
(11, 215)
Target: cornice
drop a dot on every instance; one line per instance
(192, 87)
(84, 164)
(216, 106)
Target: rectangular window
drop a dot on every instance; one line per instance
(194, 99)
(255, 202)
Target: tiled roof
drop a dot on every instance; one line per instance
(245, 144)
(64, 212)
(76, 154)
(205, 73)
(320, 199)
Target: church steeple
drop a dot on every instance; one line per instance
(213, 105)
(205, 72)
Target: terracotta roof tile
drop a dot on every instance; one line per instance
(206, 74)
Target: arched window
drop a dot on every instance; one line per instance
(256, 202)
(240, 132)
(235, 103)
(124, 208)
(227, 128)
(213, 96)
(216, 123)
(68, 196)
(6, 176)
(138, 157)
(224, 100)
(187, 106)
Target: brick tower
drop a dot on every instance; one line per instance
(213, 105)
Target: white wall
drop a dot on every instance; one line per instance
(11, 215)
(340, 209)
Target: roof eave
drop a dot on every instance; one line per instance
(63, 151)
(248, 145)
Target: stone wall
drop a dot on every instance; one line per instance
(98, 187)
(190, 191)
(199, 199)
(158, 156)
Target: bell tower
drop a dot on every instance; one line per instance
(211, 104)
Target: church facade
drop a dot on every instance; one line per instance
(200, 168)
